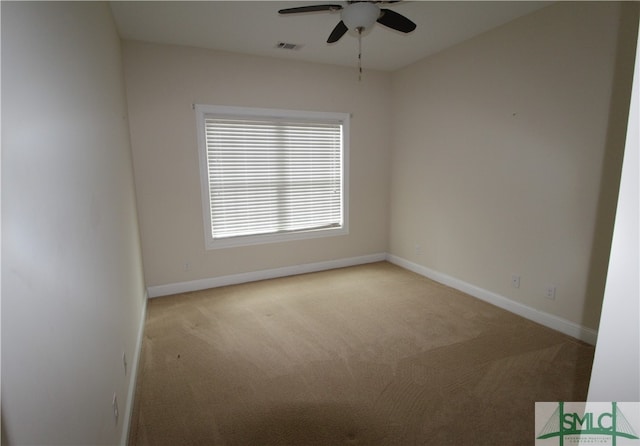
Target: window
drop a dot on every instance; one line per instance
(272, 175)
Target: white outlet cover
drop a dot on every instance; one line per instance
(551, 292)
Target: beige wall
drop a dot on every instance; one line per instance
(162, 84)
(507, 152)
(72, 285)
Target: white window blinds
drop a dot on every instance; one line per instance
(269, 176)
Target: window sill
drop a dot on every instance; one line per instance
(234, 242)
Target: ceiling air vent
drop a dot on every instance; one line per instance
(288, 46)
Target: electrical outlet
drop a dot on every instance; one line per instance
(115, 407)
(418, 250)
(551, 292)
(515, 281)
(186, 266)
(124, 362)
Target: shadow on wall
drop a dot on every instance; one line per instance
(612, 162)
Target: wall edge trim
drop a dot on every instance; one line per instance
(234, 279)
(557, 323)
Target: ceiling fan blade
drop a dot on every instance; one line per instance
(396, 21)
(337, 32)
(312, 8)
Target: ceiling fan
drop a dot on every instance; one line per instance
(358, 16)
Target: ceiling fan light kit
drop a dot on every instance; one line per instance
(358, 16)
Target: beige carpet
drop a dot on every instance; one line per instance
(368, 355)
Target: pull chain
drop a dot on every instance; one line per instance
(359, 54)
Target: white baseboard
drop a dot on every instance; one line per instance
(549, 320)
(214, 282)
(133, 375)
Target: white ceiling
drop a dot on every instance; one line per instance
(255, 28)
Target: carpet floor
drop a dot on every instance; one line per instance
(367, 355)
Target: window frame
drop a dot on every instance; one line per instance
(202, 111)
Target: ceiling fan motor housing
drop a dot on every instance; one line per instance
(360, 16)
